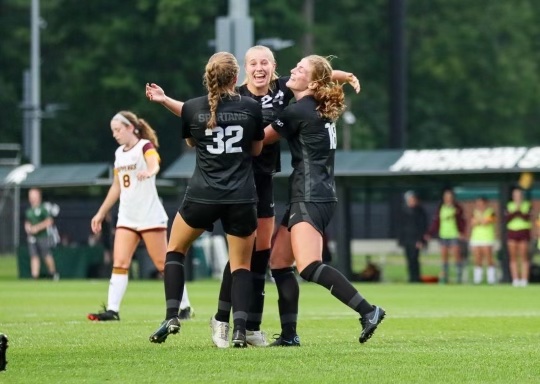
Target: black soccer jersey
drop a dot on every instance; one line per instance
(277, 98)
(312, 141)
(223, 172)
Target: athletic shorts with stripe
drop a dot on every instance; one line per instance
(316, 214)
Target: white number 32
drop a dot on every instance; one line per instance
(225, 139)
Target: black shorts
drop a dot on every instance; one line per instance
(265, 192)
(237, 219)
(316, 214)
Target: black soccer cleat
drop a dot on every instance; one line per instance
(3, 348)
(105, 315)
(167, 327)
(239, 339)
(280, 341)
(186, 314)
(370, 322)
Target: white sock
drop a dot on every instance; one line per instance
(477, 274)
(117, 289)
(492, 275)
(185, 299)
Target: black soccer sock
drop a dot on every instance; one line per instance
(174, 280)
(338, 285)
(288, 293)
(242, 285)
(224, 303)
(259, 264)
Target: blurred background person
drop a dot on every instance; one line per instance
(482, 240)
(518, 236)
(449, 226)
(37, 222)
(413, 226)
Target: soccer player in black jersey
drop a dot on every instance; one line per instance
(309, 125)
(264, 85)
(226, 130)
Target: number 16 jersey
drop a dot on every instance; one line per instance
(312, 141)
(223, 172)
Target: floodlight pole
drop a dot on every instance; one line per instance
(35, 107)
(398, 75)
(234, 32)
(397, 135)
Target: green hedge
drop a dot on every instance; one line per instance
(71, 262)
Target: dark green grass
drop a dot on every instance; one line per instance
(433, 334)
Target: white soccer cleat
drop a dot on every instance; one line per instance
(220, 333)
(256, 338)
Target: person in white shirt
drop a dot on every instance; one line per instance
(140, 215)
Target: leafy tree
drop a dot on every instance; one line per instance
(472, 66)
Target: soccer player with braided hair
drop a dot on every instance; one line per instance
(226, 130)
(141, 214)
(309, 125)
(263, 84)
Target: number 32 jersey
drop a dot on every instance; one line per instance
(312, 141)
(139, 208)
(223, 172)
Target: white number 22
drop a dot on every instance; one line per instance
(332, 134)
(224, 139)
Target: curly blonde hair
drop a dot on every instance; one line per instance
(328, 94)
(219, 78)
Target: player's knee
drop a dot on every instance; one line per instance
(309, 271)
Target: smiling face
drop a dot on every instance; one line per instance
(122, 134)
(260, 66)
(300, 76)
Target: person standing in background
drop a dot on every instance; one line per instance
(413, 226)
(38, 220)
(482, 240)
(518, 235)
(141, 215)
(449, 225)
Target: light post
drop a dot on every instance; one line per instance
(35, 91)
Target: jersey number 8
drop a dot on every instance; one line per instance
(224, 139)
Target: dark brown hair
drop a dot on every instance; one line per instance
(142, 128)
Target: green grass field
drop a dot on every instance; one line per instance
(432, 334)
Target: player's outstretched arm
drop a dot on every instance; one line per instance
(156, 94)
(346, 77)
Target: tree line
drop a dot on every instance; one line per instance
(472, 67)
